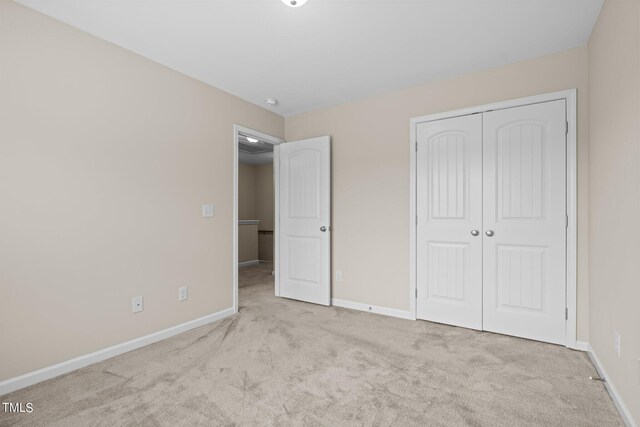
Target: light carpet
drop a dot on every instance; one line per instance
(283, 362)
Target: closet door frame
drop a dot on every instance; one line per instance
(572, 179)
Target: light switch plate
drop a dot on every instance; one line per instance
(208, 210)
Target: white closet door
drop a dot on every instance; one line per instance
(524, 180)
(304, 220)
(449, 202)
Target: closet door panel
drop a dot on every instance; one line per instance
(524, 221)
(449, 187)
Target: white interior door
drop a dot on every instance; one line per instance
(304, 208)
(449, 230)
(525, 220)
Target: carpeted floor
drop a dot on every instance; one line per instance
(283, 362)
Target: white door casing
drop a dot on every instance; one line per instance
(304, 233)
(524, 181)
(237, 130)
(449, 207)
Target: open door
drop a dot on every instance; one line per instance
(303, 241)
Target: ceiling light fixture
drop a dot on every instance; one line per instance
(252, 140)
(271, 101)
(294, 3)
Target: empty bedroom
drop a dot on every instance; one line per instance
(320, 212)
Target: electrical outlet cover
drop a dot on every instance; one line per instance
(137, 304)
(183, 293)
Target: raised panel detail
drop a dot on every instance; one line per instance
(304, 184)
(448, 270)
(521, 171)
(521, 277)
(448, 158)
(304, 258)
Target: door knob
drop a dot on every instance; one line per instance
(489, 233)
(323, 228)
(474, 232)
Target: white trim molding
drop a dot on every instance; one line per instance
(22, 381)
(276, 220)
(248, 263)
(625, 413)
(393, 312)
(413, 215)
(582, 346)
(572, 179)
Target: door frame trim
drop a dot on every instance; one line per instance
(570, 96)
(238, 129)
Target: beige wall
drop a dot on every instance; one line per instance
(255, 194)
(247, 242)
(265, 197)
(370, 170)
(105, 161)
(256, 201)
(265, 246)
(265, 206)
(247, 191)
(614, 184)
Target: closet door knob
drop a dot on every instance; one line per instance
(489, 233)
(474, 232)
(323, 228)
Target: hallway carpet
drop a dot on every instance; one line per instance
(283, 362)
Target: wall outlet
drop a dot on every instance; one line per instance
(338, 276)
(616, 343)
(183, 293)
(136, 305)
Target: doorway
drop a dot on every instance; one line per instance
(254, 216)
(298, 232)
(494, 207)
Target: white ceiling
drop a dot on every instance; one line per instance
(329, 51)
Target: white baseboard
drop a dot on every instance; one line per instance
(615, 396)
(402, 314)
(248, 263)
(22, 381)
(582, 346)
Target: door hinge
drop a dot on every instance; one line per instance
(566, 314)
(566, 224)
(566, 128)
(416, 292)
(416, 146)
(416, 219)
